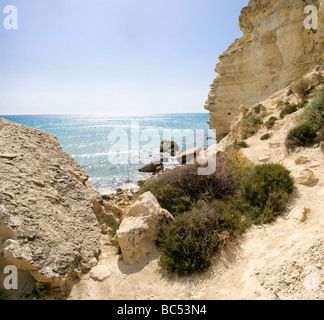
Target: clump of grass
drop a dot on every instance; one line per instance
(250, 124)
(289, 109)
(271, 122)
(301, 87)
(265, 137)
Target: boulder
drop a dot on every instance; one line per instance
(140, 227)
(189, 155)
(169, 146)
(152, 167)
(48, 226)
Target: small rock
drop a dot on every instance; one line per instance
(299, 149)
(302, 160)
(300, 214)
(306, 177)
(100, 273)
(169, 146)
(316, 145)
(264, 158)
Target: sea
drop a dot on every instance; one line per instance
(112, 148)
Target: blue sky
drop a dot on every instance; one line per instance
(113, 56)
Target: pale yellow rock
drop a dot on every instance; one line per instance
(139, 229)
(301, 160)
(306, 177)
(274, 51)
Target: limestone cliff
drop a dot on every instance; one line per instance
(48, 226)
(275, 50)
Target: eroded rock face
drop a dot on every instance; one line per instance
(140, 227)
(274, 51)
(48, 225)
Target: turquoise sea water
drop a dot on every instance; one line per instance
(92, 142)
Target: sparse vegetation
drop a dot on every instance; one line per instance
(251, 195)
(111, 222)
(301, 87)
(250, 125)
(271, 122)
(259, 108)
(40, 291)
(242, 144)
(265, 137)
(289, 109)
(309, 123)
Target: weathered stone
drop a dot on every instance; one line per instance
(300, 214)
(306, 177)
(47, 223)
(140, 228)
(301, 160)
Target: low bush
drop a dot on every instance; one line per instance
(250, 125)
(259, 108)
(265, 137)
(271, 122)
(171, 198)
(301, 87)
(265, 187)
(309, 123)
(242, 144)
(178, 189)
(289, 109)
(300, 136)
(188, 244)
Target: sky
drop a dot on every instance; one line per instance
(113, 56)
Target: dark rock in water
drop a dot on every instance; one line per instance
(151, 167)
(169, 146)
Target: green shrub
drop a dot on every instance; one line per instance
(301, 87)
(289, 109)
(259, 108)
(171, 198)
(261, 192)
(302, 104)
(188, 244)
(301, 135)
(265, 137)
(265, 180)
(271, 122)
(188, 184)
(242, 144)
(250, 125)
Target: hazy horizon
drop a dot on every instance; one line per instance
(113, 57)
